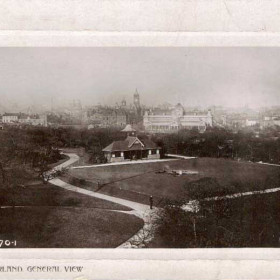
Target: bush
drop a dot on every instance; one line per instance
(251, 221)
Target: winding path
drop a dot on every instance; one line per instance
(134, 205)
(142, 211)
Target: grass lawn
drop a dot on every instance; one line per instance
(137, 182)
(56, 218)
(62, 227)
(49, 195)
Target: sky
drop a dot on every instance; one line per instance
(201, 76)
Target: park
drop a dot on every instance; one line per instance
(107, 205)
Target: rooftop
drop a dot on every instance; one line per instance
(10, 114)
(128, 128)
(131, 143)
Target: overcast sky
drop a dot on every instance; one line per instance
(192, 76)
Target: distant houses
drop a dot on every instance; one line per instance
(21, 118)
(10, 117)
(252, 121)
(118, 116)
(162, 118)
(36, 120)
(107, 117)
(270, 121)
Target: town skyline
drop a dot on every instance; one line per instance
(68, 104)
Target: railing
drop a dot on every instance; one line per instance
(179, 156)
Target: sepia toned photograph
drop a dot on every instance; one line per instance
(139, 147)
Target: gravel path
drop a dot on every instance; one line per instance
(142, 211)
(123, 163)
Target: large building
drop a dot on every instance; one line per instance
(172, 120)
(118, 116)
(270, 121)
(10, 118)
(132, 148)
(107, 117)
(36, 120)
(20, 118)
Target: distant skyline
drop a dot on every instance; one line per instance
(231, 77)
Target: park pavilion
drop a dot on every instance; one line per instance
(132, 148)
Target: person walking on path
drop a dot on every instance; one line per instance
(151, 202)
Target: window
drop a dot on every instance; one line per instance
(154, 152)
(117, 154)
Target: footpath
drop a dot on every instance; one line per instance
(142, 211)
(123, 163)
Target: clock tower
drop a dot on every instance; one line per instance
(136, 99)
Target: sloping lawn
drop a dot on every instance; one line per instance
(46, 216)
(113, 173)
(137, 182)
(49, 195)
(62, 227)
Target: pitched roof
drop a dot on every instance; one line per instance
(134, 140)
(130, 144)
(128, 128)
(162, 112)
(11, 114)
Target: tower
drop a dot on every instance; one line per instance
(129, 130)
(136, 99)
(123, 103)
(209, 118)
(137, 107)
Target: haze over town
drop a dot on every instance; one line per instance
(44, 78)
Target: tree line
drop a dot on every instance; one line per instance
(220, 142)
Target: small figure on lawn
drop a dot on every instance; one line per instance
(151, 202)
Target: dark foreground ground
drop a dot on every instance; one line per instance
(46, 216)
(251, 221)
